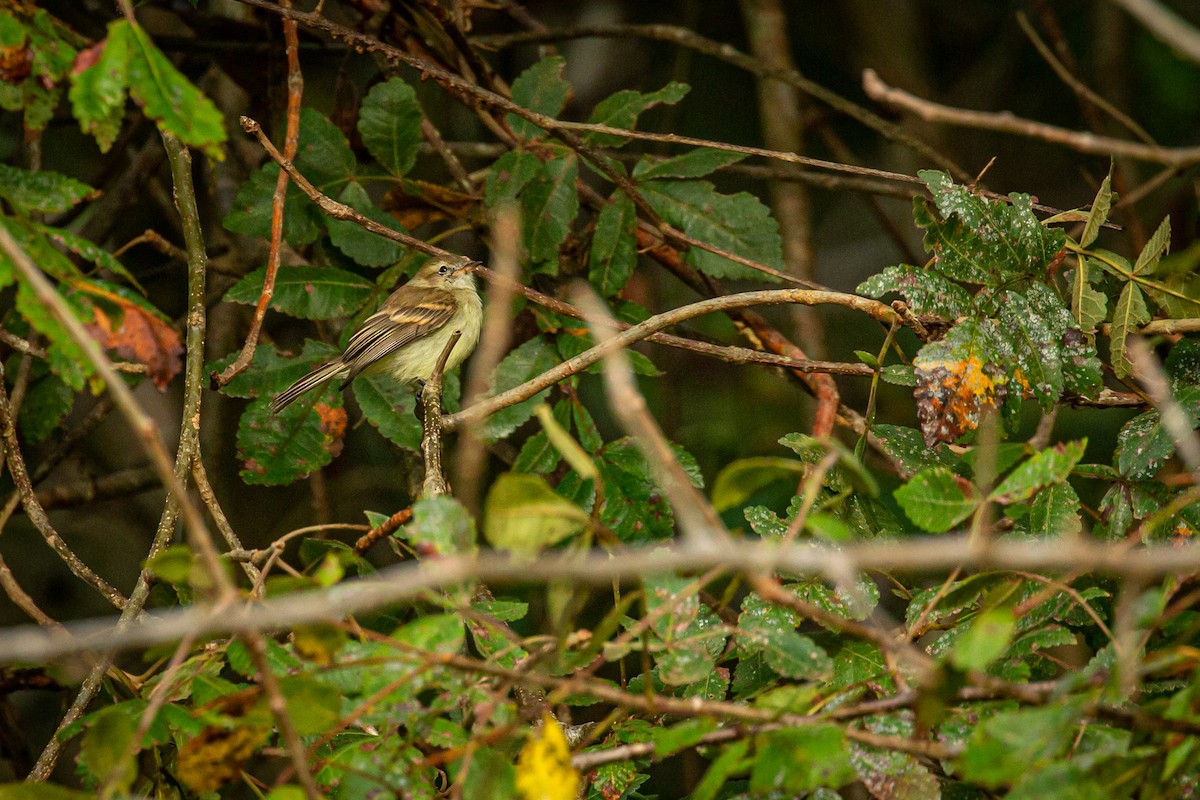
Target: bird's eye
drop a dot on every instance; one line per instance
(443, 270)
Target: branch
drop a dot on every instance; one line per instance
(1170, 28)
(295, 84)
(431, 441)
(409, 580)
(1007, 122)
(873, 308)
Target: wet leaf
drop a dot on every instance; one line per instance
(926, 291)
(1050, 466)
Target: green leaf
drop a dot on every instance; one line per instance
(276, 449)
(440, 526)
(390, 124)
(1089, 306)
(1050, 466)
(985, 641)
(313, 706)
(171, 100)
(1006, 747)
(906, 449)
(40, 192)
(48, 401)
(530, 359)
(1076, 352)
(680, 736)
(691, 636)
(925, 291)
(1158, 246)
(614, 246)
(894, 776)
(738, 223)
(542, 89)
(899, 375)
(1055, 511)
(692, 164)
(1130, 313)
(491, 775)
(771, 630)
(1144, 444)
(622, 110)
(107, 751)
(66, 358)
(731, 761)
(550, 204)
(1099, 213)
(525, 515)
(739, 480)
(251, 213)
(984, 241)
(936, 499)
(88, 250)
(323, 154)
(509, 175)
(433, 633)
(306, 292)
(389, 407)
(1038, 352)
(365, 247)
(801, 759)
(98, 93)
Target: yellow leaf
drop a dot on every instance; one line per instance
(544, 770)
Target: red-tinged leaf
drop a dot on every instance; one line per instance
(134, 332)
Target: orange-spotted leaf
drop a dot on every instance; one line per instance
(961, 377)
(133, 330)
(544, 770)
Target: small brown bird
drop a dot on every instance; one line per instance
(407, 334)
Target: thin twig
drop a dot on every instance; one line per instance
(431, 441)
(295, 84)
(1007, 122)
(1170, 28)
(698, 520)
(571, 366)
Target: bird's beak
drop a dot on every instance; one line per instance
(468, 267)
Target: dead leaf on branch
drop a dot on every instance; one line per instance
(135, 333)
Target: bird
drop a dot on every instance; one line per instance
(407, 334)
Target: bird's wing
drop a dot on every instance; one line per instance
(421, 311)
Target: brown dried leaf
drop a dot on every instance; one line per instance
(135, 333)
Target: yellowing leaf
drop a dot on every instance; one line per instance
(544, 770)
(135, 332)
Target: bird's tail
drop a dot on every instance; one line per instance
(312, 380)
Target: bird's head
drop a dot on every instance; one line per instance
(457, 272)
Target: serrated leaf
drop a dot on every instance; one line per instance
(171, 100)
(550, 204)
(98, 93)
(1055, 511)
(925, 291)
(525, 515)
(389, 406)
(1037, 350)
(1157, 247)
(1089, 306)
(936, 499)
(1130, 312)
(899, 375)
(801, 760)
(530, 359)
(540, 88)
(390, 124)
(88, 250)
(621, 110)
(277, 449)
(1144, 444)
(509, 175)
(306, 292)
(614, 246)
(1050, 466)
(985, 641)
(40, 192)
(693, 164)
(739, 224)
(364, 246)
(1099, 212)
(251, 212)
(906, 448)
(440, 526)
